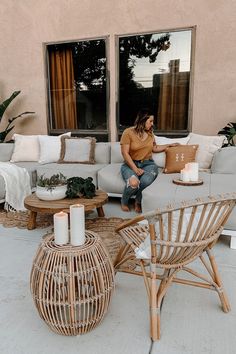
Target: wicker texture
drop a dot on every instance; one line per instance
(174, 248)
(72, 286)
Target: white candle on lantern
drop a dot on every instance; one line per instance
(77, 225)
(61, 234)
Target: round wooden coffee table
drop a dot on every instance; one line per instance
(35, 205)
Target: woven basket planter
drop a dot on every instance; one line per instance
(72, 286)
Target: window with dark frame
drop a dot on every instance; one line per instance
(154, 73)
(77, 87)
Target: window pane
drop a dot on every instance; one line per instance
(77, 85)
(154, 73)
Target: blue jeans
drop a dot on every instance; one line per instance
(149, 175)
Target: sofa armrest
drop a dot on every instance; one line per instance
(6, 150)
(224, 160)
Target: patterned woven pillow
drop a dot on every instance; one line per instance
(178, 156)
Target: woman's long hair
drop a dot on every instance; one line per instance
(140, 121)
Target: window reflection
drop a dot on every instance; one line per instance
(77, 85)
(154, 72)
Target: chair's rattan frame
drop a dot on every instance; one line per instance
(173, 256)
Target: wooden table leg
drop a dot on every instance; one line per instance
(100, 212)
(32, 220)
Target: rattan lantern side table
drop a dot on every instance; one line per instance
(72, 285)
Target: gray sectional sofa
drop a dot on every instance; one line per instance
(221, 178)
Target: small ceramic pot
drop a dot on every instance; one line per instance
(56, 193)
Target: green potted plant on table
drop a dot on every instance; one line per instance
(51, 188)
(78, 187)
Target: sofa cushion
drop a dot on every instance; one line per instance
(178, 156)
(50, 148)
(102, 153)
(223, 183)
(110, 179)
(167, 192)
(163, 191)
(116, 155)
(70, 170)
(224, 160)
(26, 148)
(208, 145)
(6, 150)
(162, 140)
(77, 150)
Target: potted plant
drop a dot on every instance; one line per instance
(3, 107)
(80, 187)
(51, 188)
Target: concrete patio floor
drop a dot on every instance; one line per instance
(192, 320)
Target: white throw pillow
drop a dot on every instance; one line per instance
(77, 150)
(160, 157)
(50, 148)
(208, 145)
(26, 148)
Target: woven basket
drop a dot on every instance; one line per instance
(72, 286)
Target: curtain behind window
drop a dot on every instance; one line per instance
(62, 89)
(173, 99)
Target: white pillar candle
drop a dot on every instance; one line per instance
(77, 225)
(193, 171)
(185, 175)
(61, 234)
(181, 175)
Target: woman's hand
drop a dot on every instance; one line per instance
(173, 144)
(162, 148)
(139, 171)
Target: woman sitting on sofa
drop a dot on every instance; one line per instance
(139, 170)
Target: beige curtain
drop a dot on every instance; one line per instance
(173, 99)
(62, 88)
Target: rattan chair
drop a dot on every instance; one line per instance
(178, 234)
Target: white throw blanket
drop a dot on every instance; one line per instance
(17, 185)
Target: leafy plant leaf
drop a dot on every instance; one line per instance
(5, 104)
(4, 133)
(80, 187)
(3, 107)
(230, 132)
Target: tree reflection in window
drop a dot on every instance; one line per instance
(154, 72)
(78, 85)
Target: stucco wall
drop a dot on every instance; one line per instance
(26, 24)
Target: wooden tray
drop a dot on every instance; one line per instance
(191, 183)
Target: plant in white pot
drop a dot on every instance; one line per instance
(51, 188)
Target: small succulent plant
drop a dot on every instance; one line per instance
(51, 182)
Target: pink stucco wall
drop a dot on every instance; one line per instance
(25, 25)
